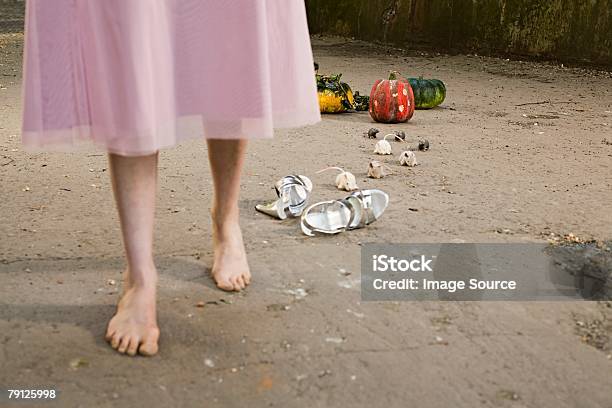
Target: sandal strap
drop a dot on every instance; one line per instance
(359, 204)
(354, 212)
(310, 230)
(366, 210)
(284, 186)
(288, 181)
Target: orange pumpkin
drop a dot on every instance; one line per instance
(392, 100)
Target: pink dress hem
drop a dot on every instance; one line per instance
(133, 77)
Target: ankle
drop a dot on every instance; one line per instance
(141, 278)
(228, 215)
(141, 286)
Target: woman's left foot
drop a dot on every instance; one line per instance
(230, 266)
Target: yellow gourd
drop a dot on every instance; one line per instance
(334, 96)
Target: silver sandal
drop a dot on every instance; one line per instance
(293, 192)
(359, 209)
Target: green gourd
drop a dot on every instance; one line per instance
(428, 93)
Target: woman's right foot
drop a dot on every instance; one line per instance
(134, 329)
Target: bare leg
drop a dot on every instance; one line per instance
(230, 267)
(134, 329)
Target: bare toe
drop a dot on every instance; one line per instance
(235, 285)
(240, 283)
(148, 348)
(115, 340)
(225, 284)
(125, 341)
(109, 334)
(133, 346)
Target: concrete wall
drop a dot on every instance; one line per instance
(11, 16)
(559, 29)
(570, 30)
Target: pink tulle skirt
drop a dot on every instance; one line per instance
(134, 76)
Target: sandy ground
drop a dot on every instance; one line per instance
(496, 172)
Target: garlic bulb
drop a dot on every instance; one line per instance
(382, 146)
(400, 135)
(423, 145)
(344, 181)
(408, 158)
(377, 169)
(372, 133)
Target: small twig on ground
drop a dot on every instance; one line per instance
(8, 162)
(542, 103)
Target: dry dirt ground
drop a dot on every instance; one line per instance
(299, 336)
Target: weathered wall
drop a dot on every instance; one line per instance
(11, 15)
(562, 29)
